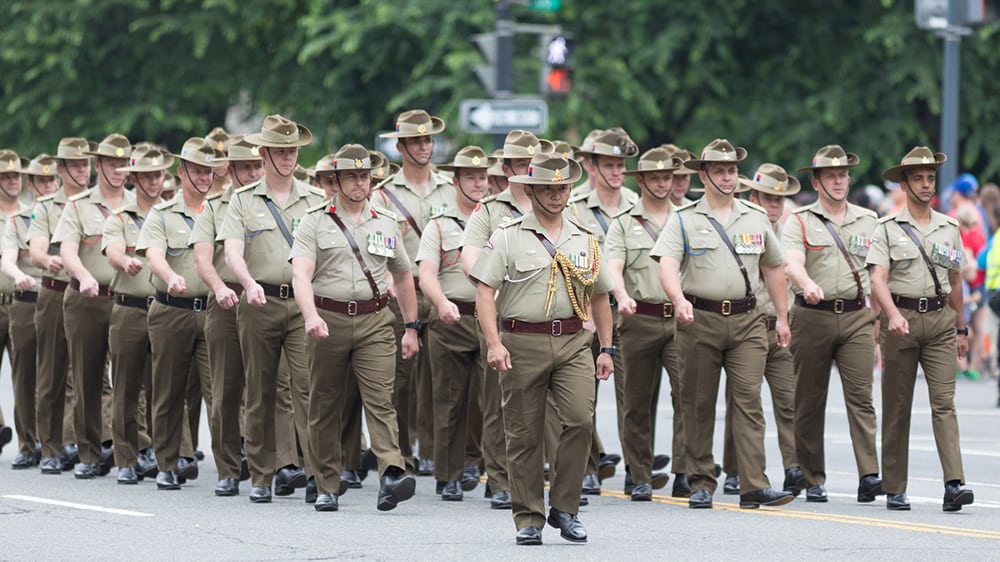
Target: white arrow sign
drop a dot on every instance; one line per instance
(502, 116)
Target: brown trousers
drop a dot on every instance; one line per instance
(131, 367)
(54, 397)
(21, 347)
(404, 393)
(494, 442)
(931, 343)
(87, 321)
(226, 364)
(597, 447)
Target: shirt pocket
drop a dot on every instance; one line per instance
(701, 243)
(903, 255)
(178, 239)
(258, 223)
(528, 266)
(818, 238)
(328, 239)
(637, 248)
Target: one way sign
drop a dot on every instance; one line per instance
(502, 116)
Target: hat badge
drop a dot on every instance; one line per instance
(780, 186)
(659, 164)
(835, 160)
(925, 160)
(208, 158)
(220, 145)
(10, 165)
(255, 151)
(558, 176)
(119, 152)
(421, 128)
(616, 150)
(155, 161)
(45, 168)
(475, 160)
(531, 150)
(357, 163)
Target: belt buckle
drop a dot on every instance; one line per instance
(198, 305)
(668, 310)
(838, 306)
(922, 304)
(727, 307)
(149, 301)
(352, 308)
(284, 290)
(556, 324)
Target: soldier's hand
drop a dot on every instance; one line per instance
(449, 313)
(255, 295)
(605, 366)
(626, 306)
(226, 298)
(782, 333)
(316, 328)
(498, 358)
(176, 286)
(898, 326)
(962, 344)
(589, 324)
(684, 312)
(133, 266)
(410, 343)
(24, 282)
(812, 293)
(89, 287)
(391, 290)
(55, 265)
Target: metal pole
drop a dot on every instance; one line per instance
(505, 55)
(950, 93)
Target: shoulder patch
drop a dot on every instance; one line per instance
(79, 196)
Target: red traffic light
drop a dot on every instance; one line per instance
(559, 80)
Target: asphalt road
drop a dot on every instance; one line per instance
(59, 518)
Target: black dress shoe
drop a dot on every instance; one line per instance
(816, 494)
(660, 480)
(167, 480)
(107, 459)
(528, 536)
(70, 456)
(897, 502)
(326, 502)
(395, 486)
(51, 465)
(199, 455)
(731, 486)
(260, 494)
(500, 500)
(569, 525)
(956, 495)
(606, 466)
(470, 478)
(288, 479)
(227, 487)
(795, 482)
(425, 467)
(700, 499)
(84, 471)
(127, 475)
(146, 465)
(187, 468)
(591, 485)
(22, 461)
(6, 434)
(369, 461)
(439, 486)
(350, 477)
(642, 493)
(452, 491)
(660, 461)
(869, 487)
(682, 488)
(584, 501)
(765, 496)
(311, 490)
(629, 484)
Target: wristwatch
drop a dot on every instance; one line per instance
(963, 331)
(612, 351)
(414, 325)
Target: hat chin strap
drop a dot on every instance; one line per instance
(100, 165)
(273, 165)
(542, 206)
(642, 182)
(827, 192)
(600, 173)
(341, 192)
(138, 182)
(191, 181)
(462, 190)
(715, 185)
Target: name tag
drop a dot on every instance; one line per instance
(749, 243)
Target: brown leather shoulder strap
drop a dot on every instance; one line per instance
(729, 244)
(923, 253)
(402, 209)
(843, 251)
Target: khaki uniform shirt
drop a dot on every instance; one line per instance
(6, 283)
(83, 222)
(16, 235)
(708, 268)
(489, 215)
(909, 276)
(516, 263)
(338, 273)
(581, 190)
(442, 244)
(804, 231)
(764, 298)
(123, 227)
(439, 196)
(45, 216)
(207, 226)
(168, 227)
(628, 240)
(249, 219)
(587, 211)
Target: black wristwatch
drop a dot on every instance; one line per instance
(415, 325)
(612, 351)
(964, 331)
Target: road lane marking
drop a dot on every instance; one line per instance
(82, 506)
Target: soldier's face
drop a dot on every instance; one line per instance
(246, 172)
(473, 182)
(721, 176)
(679, 186)
(77, 171)
(659, 184)
(282, 159)
(920, 184)
(44, 185)
(610, 170)
(10, 183)
(516, 166)
(773, 204)
(498, 184)
(196, 177)
(328, 184)
(416, 149)
(549, 199)
(354, 184)
(832, 183)
(150, 182)
(109, 169)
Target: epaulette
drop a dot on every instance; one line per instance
(81, 195)
(580, 226)
(579, 197)
(317, 191)
(488, 199)
(887, 218)
(440, 214)
(951, 221)
(214, 196)
(247, 187)
(753, 206)
(513, 221)
(386, 213)
(321, 207)
(865, 211)
(687, 205)
(118, 211)
(798, 210)
(45, 198)
(166, 204)
(623, 212)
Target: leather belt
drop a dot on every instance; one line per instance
(725, 307)
(54, 284)
(26, 296)
(836, 306)
(563, 326)
(132, 301)
(922, 304)
(102, 290)
(466, 308)
(6, 298)
(772, 323)
(196, 304)
(283, 291)
(351, 308)
(661, 310)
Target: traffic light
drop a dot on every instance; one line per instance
(487, 73)
(557, 71)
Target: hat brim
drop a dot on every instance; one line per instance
(895, 173)
(575, 173)
(244, 158)
(490, 161)
(218, 163)
(305, 139)
(852, 161)
(794, 186)
(86, 155)
(741, 154)
(167, 164)
(437, 127)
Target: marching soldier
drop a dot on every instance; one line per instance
(647, 325)
(258, 226)
(682, 177)
(349, 325)
(219, 139)
(914, 261)
(697, 251)
(87, 303)
(825, 244)
(546, 273)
